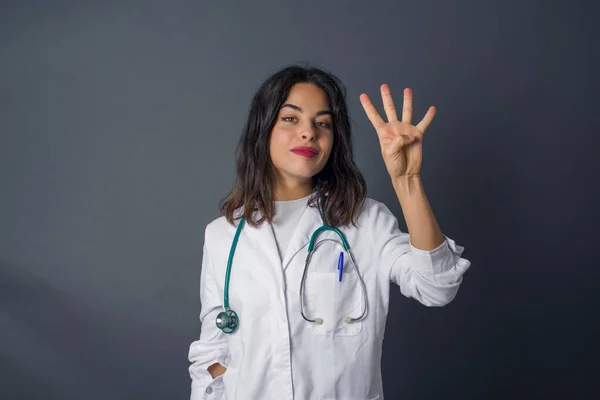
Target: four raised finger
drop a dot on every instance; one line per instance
(388, 103)
(372, 113)
(426, 121)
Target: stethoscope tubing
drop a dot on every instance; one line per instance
(228, 320)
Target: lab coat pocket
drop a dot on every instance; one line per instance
(331, 298)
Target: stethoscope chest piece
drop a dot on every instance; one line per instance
(227, 321)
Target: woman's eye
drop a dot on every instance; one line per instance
(288, 119)
(324, 124)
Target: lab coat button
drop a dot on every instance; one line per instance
(209, 390)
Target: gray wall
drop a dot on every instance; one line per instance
(118, 125)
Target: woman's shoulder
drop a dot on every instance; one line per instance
(373, 208)
(370, 203)
(371, 214)
(220, 226)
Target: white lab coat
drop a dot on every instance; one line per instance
(276, 354)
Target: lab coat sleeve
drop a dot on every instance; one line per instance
(212, 345)
(430, 277)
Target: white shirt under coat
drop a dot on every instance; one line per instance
(276, 354)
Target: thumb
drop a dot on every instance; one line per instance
(403, 140)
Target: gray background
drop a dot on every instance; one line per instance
(118, 125)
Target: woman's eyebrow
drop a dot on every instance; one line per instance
(295, 107)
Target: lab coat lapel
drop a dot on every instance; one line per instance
(309, 222)
(263, 242)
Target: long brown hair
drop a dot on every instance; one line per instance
(340, 186)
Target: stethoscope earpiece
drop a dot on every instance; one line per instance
(311, 248)
(319, 321)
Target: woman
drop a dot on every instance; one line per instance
(298, 330)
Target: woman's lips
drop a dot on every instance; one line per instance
(305, 152)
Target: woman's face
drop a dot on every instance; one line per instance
(302, 136)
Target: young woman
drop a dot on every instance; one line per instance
(296, 272)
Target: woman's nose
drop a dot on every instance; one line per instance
(309, 132)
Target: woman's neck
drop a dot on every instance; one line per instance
(291, 192)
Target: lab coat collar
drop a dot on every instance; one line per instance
(260, 239)
(263, 239)
(309, 222)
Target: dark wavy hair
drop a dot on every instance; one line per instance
(340, 186)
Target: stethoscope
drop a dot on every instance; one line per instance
(228, 320)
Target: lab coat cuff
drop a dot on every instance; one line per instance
(203, 380)
(438, 260)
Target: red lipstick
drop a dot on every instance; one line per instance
(307, 152)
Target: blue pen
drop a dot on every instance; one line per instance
(341, 265)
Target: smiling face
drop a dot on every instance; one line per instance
(301, 140)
